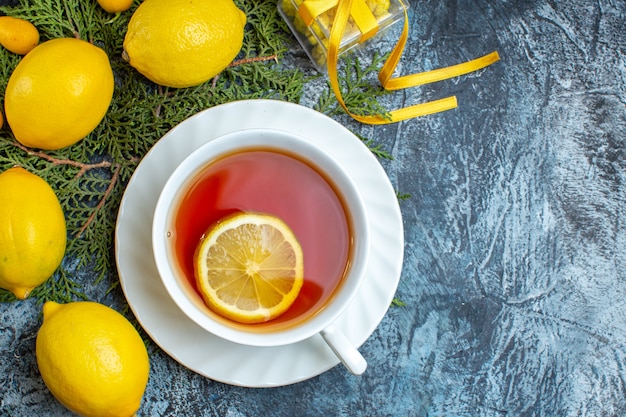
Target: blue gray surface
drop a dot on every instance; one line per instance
(514, 276)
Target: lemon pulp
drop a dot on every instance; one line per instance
(249, 267)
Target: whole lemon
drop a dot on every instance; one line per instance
(58, 93)
(183, 43)
(32, 231)
(18, 35)
(115, 6)
(92, 359)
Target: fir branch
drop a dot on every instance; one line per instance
(402, 196)
(107, 192)
(266, 33)
(7, 296)
(359, 86)
(84, 167)
(250, 60)
(61, 288)
(376, 149)
(396, 302)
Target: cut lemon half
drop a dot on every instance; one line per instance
(249, 267)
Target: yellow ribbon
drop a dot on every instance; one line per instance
(310, 9)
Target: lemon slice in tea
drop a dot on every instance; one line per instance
(249, 267)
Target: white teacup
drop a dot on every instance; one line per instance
(190, 301)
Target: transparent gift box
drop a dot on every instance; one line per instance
(314, 38)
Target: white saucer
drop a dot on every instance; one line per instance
(185, 341)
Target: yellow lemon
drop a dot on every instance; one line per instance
(32, 231)
(58, 93)
(182, 43)
(115, 6)
(249, 267)
(18, 35)
(92, 359)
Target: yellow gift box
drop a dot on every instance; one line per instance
(313, 31)
(329, 28)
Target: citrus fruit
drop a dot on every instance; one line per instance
(18, 35)
(32, 231)
(249, 267)
(115, 6)
(181, 43)
(92, 359)
(58, 93)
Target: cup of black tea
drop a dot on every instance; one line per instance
(262, 174)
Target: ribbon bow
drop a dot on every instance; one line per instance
(309, 10)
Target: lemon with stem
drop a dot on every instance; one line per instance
(18, 35)
(92, 359)
(58, 93)
(33, 232)
(180, 43)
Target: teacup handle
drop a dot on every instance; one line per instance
(341, 346)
